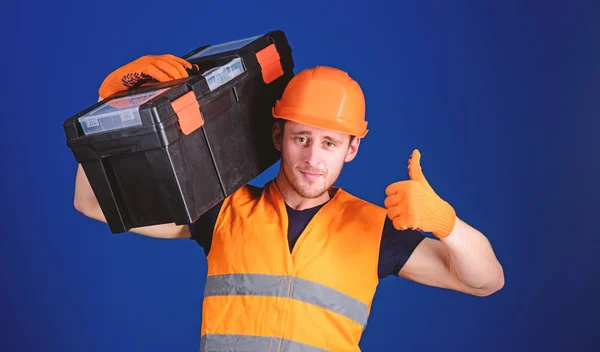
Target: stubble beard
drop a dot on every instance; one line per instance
(303, 188)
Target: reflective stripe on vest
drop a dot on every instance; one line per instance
(214, 343)
(295, 288)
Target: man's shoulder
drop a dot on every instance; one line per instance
(246, 193)
(358, 201)
(360, 208)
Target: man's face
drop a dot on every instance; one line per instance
(312, 158)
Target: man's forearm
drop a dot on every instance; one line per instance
(472, 258)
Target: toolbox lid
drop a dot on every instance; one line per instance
(124, 112)
(221, 48)
(117, 113)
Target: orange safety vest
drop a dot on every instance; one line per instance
(261, 297)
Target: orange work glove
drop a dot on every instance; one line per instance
(413, 203)
(146, 69)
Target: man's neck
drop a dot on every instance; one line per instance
(293, 199)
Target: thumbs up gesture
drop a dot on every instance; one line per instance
(414, 204)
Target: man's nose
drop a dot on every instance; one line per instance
(313, 155)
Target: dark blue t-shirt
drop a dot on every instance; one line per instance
(396, 245)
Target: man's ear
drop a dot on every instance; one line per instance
(277, 134)
(352, 149)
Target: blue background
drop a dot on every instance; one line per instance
(502, 100)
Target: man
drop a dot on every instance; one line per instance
(294, 265)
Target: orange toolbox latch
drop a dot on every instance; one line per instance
(188, 113)
(270, 63)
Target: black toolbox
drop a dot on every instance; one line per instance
(168, 152)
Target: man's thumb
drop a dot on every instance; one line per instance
(414, 167)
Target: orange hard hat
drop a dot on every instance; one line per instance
(324, 97)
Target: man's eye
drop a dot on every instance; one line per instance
(330, 144)
(301, 139)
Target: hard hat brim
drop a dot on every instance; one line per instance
(354, 129)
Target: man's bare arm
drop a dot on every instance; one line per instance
(464, 261)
